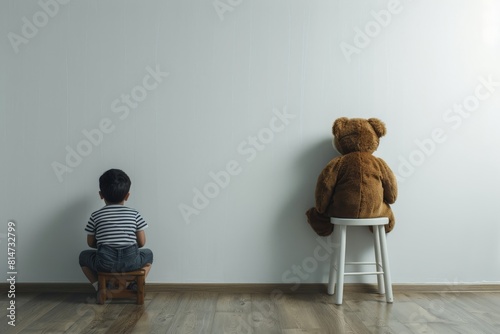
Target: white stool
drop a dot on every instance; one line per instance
(337, 268)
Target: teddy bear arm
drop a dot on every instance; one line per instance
(389, 183)
(325, 185)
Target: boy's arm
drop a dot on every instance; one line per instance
(91, 241)
(141, 238)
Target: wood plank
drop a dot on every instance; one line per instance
(159, 313)
(295, 313)
(393, 328)
(59, 319)
(373, 311)
(129, 316)
(208, 312)
(230, 302)
(86, 310)
(346, 320)
(493, 299)
(442, 307)
(265, 317)
(20, 300)
(233, 314)
(475, 328)
(195, 313)
(302, 331)
(334, 318)
(30, 312)
(485, 313)
(409, 312)
(231, 323)
(103, 317)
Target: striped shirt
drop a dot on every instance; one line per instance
(115, 225)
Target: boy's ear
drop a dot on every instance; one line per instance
(126, 197)
(100, 195)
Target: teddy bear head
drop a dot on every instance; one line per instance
(357, 134)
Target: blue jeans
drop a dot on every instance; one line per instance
(113, 260)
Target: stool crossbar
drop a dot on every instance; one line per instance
(338, 263)
(114, 285)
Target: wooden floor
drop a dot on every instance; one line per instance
(219, 312)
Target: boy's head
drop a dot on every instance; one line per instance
(114, 185)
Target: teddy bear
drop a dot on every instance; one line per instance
(356, 184)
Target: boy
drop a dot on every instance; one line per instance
(117, 232)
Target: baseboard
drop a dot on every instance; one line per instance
(257, 288)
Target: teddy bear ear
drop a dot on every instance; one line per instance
(378, 126)
(339, 125)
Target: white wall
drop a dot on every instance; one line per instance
(229, 73)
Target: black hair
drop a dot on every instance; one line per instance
(114, 185)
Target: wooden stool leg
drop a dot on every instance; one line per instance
(102, 289)
(140, 289)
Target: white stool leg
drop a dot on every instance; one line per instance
(385, 263)
(378, 261)
(340, 265)
(333, 265)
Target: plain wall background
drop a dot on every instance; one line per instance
(232, 66)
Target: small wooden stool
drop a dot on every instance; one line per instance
(119, 282)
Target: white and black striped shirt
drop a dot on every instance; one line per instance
(115, 225)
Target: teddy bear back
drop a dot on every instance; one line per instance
(357, 134)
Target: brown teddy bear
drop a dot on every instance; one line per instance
(356, 184)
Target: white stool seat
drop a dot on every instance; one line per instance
(337, 268)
